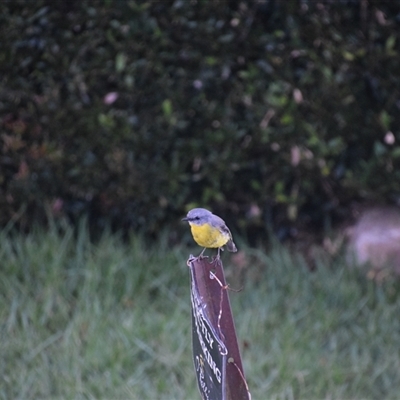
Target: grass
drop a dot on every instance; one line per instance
(112, 320)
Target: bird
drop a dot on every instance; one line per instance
(209, 230)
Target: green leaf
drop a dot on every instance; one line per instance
(385, 119)
(390, 43)
(167, 108)
(379, 149)
(120, 62)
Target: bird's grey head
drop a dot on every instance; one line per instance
(198, 216)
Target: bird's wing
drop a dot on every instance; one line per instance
(219, 223)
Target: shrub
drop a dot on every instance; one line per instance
(134, 111)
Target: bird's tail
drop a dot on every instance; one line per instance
(231, 246)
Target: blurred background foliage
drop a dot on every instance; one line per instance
(280, 113)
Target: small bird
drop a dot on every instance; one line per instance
(209, 230)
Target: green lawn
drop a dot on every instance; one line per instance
(112, 320)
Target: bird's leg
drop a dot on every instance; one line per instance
(219, 251)
(201, 254)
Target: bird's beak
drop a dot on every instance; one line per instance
(185, 219)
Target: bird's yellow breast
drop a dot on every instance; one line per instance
(208, 236)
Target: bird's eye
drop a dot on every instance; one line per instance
(196, 217)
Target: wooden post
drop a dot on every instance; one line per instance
(216, 354)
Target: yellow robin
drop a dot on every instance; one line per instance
(209, 230)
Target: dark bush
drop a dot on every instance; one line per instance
(133, 111)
